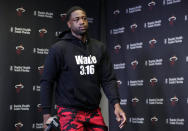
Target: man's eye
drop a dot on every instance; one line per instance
(77, 19)
(84, 18)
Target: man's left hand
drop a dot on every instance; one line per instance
(120, 115)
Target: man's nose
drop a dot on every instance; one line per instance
(81, 21)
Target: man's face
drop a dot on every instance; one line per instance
(78, 22)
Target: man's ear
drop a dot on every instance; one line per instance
(68, 24)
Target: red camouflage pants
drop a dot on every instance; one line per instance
(76, 120)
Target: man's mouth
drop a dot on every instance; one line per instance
(82, 28)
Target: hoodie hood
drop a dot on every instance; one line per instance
(64, 33)
(67, 35)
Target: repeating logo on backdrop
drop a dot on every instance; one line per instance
(134, 101)
(175, 121)
(14, 68)
(39, 108)
(119, 82)
(19, 49)
(152, 43)
(42, 32)
(154, 120)
(37, 126)
(134, 46)
(116, 31)
(117, 48)
(41, 51)
(19, 87)
(18, 126)
(155, 101)
(153, 24)
(57, 33)
(43, 14)
(20, 30)
(134, 83)
(134, 64)
(174, 100)
(20, 107)
(170, 2)
(174, 80)
(174, 40)
(123, 102)
(63, 16)
(41, 69)
(133, 9)
(20, 11)
(133, 27)
(136, 120)
(151, 4)
(173, 59)
(172, 20)
(36, 88)
(116, 12)
(153, 81)
(119, 66)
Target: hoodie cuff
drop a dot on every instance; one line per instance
(46, 111)
(113, 102)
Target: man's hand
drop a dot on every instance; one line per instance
(120, 115)
(45, 118)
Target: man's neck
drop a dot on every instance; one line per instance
(81, 37)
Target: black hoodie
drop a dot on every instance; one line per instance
(79, 70)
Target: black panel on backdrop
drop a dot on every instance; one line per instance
(28, 29)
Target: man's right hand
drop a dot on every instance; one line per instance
(45, 118)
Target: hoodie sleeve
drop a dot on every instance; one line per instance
(51, 69)
(109, 81)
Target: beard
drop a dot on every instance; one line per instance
(80, 31)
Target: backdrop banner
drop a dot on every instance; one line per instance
(148, 43)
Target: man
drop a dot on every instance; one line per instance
(79, 65)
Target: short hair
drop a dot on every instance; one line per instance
(72, 9)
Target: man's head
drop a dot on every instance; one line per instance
(77, 21)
